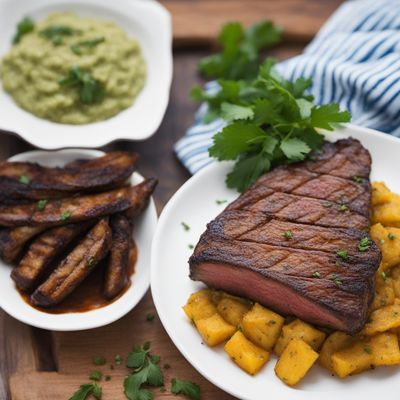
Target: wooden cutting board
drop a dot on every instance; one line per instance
(42, 365)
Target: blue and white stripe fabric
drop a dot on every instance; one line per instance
(354, 61)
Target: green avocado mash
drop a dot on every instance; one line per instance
(73, 70)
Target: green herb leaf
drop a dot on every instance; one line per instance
(295, 149)
(336, 280)
(24, 26)
(83, 392)
(219, 202)
(95, 376)
(24, 180)
(98, 360)
(288, 235)
(343, 207)
(41, 204)
(364, 244)
(97, 391)
(89, 89)
(342, 254)
(316, 275)
(65, 215)
(186, 227)
(191, 246)
(150, 317)
(187, 388)
(117, 359)
(391, 236)
(86, 44)
(328, 116)
(232, 112)
(357, 179)
(55, 33)
(136, 358)
(383, 275)
(154, 374)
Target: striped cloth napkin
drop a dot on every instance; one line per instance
(354, 60)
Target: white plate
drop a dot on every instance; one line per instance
(195, 204)
(11, 301)
(145, 20)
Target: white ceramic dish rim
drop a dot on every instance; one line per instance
(209, 372)
(138, 122)
(143, 232)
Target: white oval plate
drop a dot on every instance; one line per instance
(148, 22)
(11, 301)
(195, 204)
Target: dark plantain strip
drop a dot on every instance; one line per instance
(116, 275)
(75, 267)
(141, 197)
(74, 209)
(12, 240)
(95, 175)
(42, 252)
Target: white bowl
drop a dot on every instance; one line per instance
(12, 302)
(145, 20)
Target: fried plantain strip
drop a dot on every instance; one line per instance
(39, 182)
(42, 252)
(116, 275)
(75, 267)
(69, 210)
(141, 197)
(12, 240)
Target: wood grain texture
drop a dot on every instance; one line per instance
(198, 22)
(41, 365)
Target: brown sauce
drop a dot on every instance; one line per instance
(89, 295)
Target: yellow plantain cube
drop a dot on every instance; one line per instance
(385, 349)
(383, 319)
(388, 240)
(246, 354)
(262, 326)
(200, 305)
(384, 292)
(214, 330)
(380, 193)
(335, 342)
(299, 330)
(295, 361)
(232, 309)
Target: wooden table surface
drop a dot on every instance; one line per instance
(37, 364)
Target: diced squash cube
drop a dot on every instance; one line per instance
(246, 354)
(214, 330)
(353, 359)
(232, 310)
(380, 193)
(200, 306)
(388, 214)
(299, 330)
(384, 293)
(335, 342)
(385, 349)
(295, 361)
(388, 240)
(383, 319)
(262, 326)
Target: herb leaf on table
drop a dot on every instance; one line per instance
(187, 388)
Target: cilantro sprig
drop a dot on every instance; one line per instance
(145, 371)
(187, 388)
(270, 120)
(88, 389)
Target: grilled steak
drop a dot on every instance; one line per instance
(291, 241)
(94, 175)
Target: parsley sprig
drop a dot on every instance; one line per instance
(89, 89)
(24, 26)
(145, 371)
(270, 120)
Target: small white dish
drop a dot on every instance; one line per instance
(12, 302)
(195, 204)
(147, 21)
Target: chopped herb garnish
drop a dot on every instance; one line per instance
(24, 179)
(357, 179)
(145, 371)
(24, 26)
(191, 246)
(87, 44)
(90, 261)
(95, 376)
(288, 235)
(342, 254)
(219, 202)
(98, 360)
(57, 32)
(117, 359)
(382, 241)
(41, 204)
(89, 89)
(383, 275)
(189, 389)
(343, 208)
(364, 244)
(367, 349)
(150, 317)
(65, 215)
(186, 227)
(336, 279)
(316, 275)
(391, 236)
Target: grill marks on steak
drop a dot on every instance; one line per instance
(244, 250)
